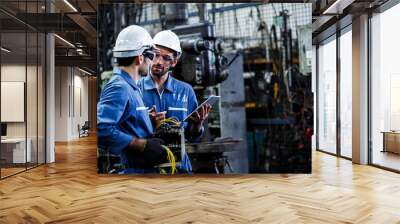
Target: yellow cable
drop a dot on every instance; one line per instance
(170, 154)
(173, 121)
(171, 159)
(170, 120)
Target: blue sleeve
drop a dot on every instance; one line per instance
(110, 110)
(192, 105)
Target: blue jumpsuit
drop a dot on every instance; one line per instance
(121, 116)
(177, 99)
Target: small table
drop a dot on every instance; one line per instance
(391, 141)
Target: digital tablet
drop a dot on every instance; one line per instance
(211, 100)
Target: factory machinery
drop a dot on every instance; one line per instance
(279, 101)
(204, 65)
(173, 135)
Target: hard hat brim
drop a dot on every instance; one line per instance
(125, 54)
(130, 53)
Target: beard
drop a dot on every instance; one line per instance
(158, 71)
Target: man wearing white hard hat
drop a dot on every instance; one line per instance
(124, 127)
(167, 96)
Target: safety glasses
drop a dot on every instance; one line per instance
(149, 54)
(166, 58)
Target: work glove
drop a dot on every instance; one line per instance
(154, 154)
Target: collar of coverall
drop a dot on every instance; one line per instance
(149, 83)
(125, 76)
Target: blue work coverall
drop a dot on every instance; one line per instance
(177, 99)
(121, 117)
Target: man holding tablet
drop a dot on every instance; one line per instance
(168, 97)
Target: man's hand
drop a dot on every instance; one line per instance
(202, 114)
(198, 118)
(147, 153)
(154, 152)
(156, 118)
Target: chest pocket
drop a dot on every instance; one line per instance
(178, 107)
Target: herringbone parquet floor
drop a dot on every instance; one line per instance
(70, 191)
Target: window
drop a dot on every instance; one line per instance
(346, 94)
(327, 96)
(385, 89)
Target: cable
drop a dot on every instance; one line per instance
(172, 121)
(166, 127)
(171, 160)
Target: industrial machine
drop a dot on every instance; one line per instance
(279, 103)
(202, 61)
(205, 65)
(173, 135)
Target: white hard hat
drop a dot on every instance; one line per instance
(169, 39)
(132, 41)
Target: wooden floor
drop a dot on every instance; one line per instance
(10, 171)
(70, 191)
(5, 172)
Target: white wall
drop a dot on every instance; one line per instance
(61, 103)
(80, 110)
(71, 102)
